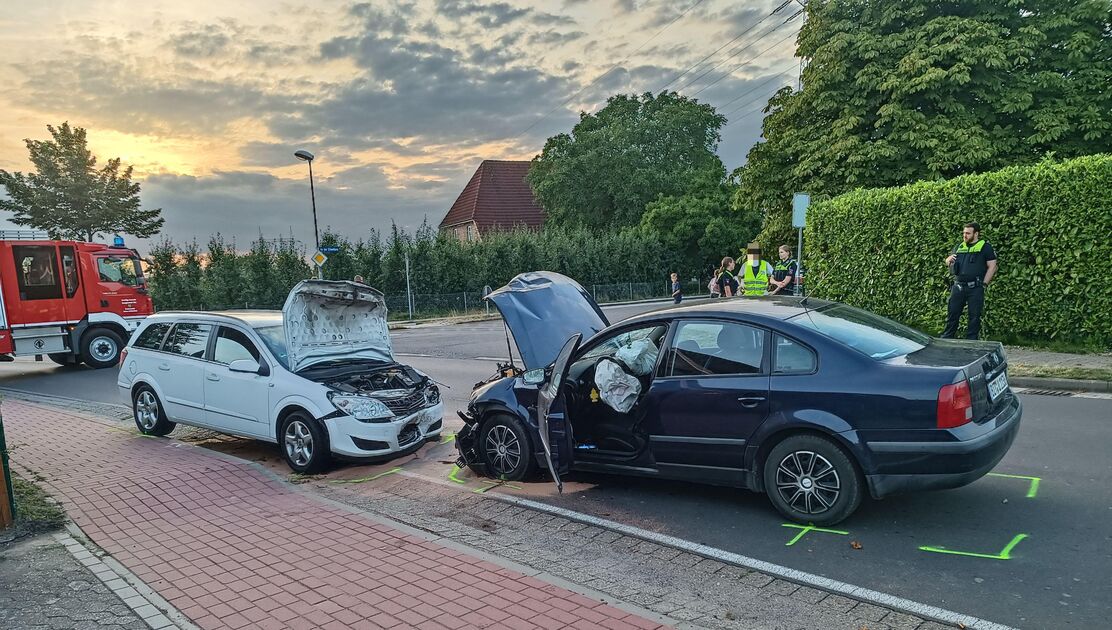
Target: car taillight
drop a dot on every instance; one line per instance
(955, 405)
(123, 356)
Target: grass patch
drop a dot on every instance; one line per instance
(1048, 371)
(34, 509)
(1057, 345)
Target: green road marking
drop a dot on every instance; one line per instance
(444, 439)
(371, 478)
(809, 528)
(1003, 555)
(453, 477)
(1032, 490)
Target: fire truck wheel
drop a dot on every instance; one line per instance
(100, 348)
(149, 415)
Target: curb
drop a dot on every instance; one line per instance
(1069, 384)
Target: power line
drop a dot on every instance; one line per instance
(733, 53)
(753, 89)
(719, 49)
(610, 69)
(731, 71)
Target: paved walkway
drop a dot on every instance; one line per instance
(1026, 356)
(231, 547)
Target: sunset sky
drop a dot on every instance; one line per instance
(399, 101)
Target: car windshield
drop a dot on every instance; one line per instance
(868, 333)
(275, 339)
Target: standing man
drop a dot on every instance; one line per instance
(755, 274)
(783, 273)
(973, 264)
(677, 288)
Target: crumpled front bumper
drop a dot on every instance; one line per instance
(467, 444)
(352, 439)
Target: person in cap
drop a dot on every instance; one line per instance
(973, 265)
(755, 273)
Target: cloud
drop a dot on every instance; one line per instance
(488, 15)
(210, 41)
(555, 38)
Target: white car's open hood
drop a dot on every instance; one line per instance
(335, 319)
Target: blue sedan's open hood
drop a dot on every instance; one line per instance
(543, 309)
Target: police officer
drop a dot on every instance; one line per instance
(973, 264)
(783, 273)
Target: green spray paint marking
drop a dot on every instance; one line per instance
(371, 478)
(444, 439)
(1032, 490)
(453, 477)
(809, 528)
(1003, 555)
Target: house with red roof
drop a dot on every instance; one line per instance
(496, 199)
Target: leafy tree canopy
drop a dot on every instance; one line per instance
(69, 197)
(896, 92)
(620, 158)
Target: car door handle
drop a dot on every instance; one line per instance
(165, 367)
(750, 401)
(212, 377)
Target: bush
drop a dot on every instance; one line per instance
(1049, 223)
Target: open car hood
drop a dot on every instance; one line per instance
(543, 309)
(335, 319)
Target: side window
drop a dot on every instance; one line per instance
(716, 348)
(151, 337)
(122, 270)
(36, 269)
(793, 357)
(233, 345)
(188, 339)
(69, 270)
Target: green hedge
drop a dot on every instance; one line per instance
(1051, 226)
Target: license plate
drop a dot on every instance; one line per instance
(997, 386)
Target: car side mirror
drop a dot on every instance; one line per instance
(247, 366)
(533, 377)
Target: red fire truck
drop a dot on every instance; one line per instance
(72, 301)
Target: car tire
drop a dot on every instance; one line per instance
(810, 479)
(100, 348)
(150, 417)
(64, 359)
(506, 449)
(304, 444)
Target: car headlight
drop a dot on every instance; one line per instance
(361, 408)
(432, 395)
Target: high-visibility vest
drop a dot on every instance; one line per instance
(755, 284)
(965, 249)
(784, 265)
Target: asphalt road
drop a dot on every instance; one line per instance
(1056, 576)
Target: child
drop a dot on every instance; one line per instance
(677, 290)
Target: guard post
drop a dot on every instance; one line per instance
(7, 496)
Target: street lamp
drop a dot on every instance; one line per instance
(304, 155)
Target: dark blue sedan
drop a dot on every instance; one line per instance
(814, 403)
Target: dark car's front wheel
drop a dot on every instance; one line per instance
(506, 449)
(810, 479)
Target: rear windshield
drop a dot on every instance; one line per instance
(868, 333)
(275, 339)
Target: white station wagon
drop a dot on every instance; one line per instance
(317, 378)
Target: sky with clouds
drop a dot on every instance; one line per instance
(399, 101)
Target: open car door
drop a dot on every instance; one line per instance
(552, 418)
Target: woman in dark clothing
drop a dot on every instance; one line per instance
(727, 283)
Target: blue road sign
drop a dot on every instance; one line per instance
(329, 249)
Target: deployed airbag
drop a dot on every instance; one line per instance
(616, 388)
(639, 356)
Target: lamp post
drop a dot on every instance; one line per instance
(304, 155)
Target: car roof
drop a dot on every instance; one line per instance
(769, 307)
(252, 318)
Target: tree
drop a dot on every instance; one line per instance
(623, 156)
(896, 92)
(700, 227)
(69, 197)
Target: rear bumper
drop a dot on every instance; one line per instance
(915, 466)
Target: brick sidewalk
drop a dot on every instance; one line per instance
(231, 547)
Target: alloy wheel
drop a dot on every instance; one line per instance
(299, 443)
(146, 409)
(503, 449)
(808, 482)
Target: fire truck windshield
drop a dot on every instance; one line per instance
(123, 270)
